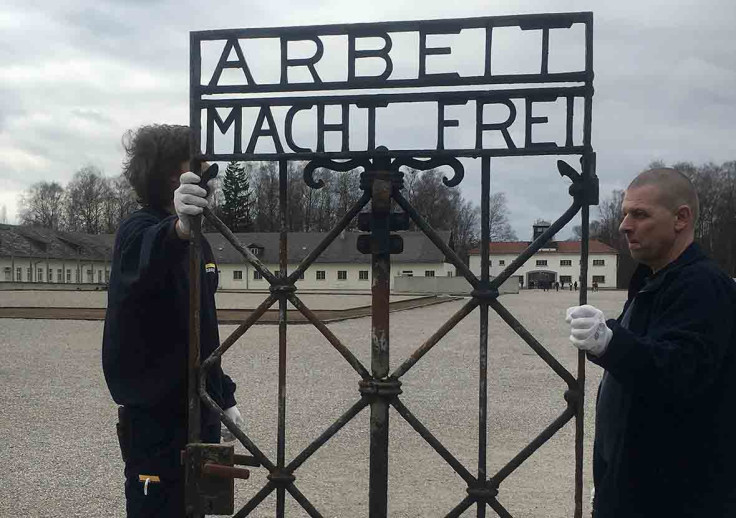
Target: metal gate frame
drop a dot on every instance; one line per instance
(381, 183)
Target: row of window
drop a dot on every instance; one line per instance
(342, 275)
(566, 262)
(50, 277)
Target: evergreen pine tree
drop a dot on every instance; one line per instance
(236, 213)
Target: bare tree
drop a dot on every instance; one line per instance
(120, 202)
(42, 204)
(265, 181)
(87, 195)
(498, 218)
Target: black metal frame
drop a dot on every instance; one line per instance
(381, 182)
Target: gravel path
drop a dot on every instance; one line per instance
(228, 300)
(59, 455)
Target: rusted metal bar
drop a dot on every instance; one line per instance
(336, 343)
(500, 510)
(538, 348)
(252, 259)
(461, 507)
(435, 338)
(533, 446)
(306, 504)
(327, 434)
(283, 264)
(329, 238)
(433, 442)
(256, 500)
(380, 294)
(485, 191)
(439, 243)
(218, 470)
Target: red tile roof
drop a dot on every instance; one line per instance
(563, 247)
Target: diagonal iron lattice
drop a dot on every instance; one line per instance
(381, 182)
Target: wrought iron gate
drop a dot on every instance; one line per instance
(381, 182)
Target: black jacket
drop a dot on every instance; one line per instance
(665, 427)
(145, 342)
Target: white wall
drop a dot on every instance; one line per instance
(331, 281)
(71, 271)
(608, 270)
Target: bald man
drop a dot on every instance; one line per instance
(665, 438)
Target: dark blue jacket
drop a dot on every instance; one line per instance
(145, 343)
(665, 427)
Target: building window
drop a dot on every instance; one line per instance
(257, 275)
(8, 273)
(363, 275)
(254, 251)
(407, 273)
(429, 273)
(107, 276)
(541, 262)
(566, 279)
(99, 276)
(450, 274)
(237, 275)
(40, 275)
(90, 276)
(59, 275)
(566, 262)
(599, 262)
(50, 274)
(301, 275)
(320, 275)
(501, 262)
(68, 276)
(342, 275)
(19, 274)
(29, 274)
(600, 279)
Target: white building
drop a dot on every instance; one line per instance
(557, 261)
(40, 255)
(44, 256)
(340, 267)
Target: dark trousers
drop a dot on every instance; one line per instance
(154, 439)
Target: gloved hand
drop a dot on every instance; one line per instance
(234, 414)
(588, 329)
(189, 200)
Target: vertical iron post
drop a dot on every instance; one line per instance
(483, 355)
(380, 291)
(283, 259)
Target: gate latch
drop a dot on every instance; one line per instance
(210, 477)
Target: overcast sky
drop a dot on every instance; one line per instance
(76, 74)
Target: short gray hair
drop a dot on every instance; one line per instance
(675, 188)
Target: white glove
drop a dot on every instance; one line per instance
(588, 329)
(234, 414)
(189, 200)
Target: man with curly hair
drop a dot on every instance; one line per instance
(145, 343)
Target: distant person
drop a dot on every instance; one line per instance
(562, 284)
(576, 285)
(557, 286)
(595, 286)
(146, 337)
(665, 436)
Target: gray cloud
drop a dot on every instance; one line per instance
(79, 73)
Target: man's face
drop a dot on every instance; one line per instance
(649, 226)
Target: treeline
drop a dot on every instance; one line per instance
(715, 230)
(247, 200)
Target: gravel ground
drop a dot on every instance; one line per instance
(229, 300)
(59, 454)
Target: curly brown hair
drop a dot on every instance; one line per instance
(152, 155)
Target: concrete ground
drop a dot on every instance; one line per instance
(225, 300)
(59, 454)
